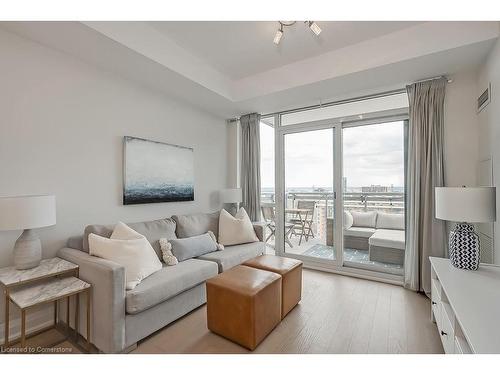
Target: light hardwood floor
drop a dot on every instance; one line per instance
(337, 314)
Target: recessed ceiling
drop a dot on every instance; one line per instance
(232, 68)
(242, 49)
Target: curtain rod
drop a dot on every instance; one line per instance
(345, 101)
(337, 102)
(448, 80)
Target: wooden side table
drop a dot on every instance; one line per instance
(20, 283)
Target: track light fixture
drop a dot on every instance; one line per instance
(282, 24)
(314, 27)
(279, 34)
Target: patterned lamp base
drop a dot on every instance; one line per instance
(464, 247)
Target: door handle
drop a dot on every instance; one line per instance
(443, 333)
(434, 303)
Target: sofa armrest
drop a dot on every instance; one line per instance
(108, 298)
(260, 230)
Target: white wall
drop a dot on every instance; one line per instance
(489, 127)
(62, 122)
(61, 128)
(461, 130)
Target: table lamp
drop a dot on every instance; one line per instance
(465, 205)
(231, 196)
(26, 213)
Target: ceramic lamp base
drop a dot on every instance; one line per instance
(27, 250)
(464, 247)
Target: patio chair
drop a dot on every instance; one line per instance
(269, 216)
(303, 226)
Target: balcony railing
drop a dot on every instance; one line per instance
(382, 202)
(386, 202)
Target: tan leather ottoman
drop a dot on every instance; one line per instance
(291, 278)
(244, 304)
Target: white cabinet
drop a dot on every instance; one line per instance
(447, 329)
(465, 305)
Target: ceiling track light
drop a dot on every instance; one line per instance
(314, 27)
(282, 24)
(279, 34)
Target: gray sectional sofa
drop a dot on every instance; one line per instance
(120, 318)
(382, 234)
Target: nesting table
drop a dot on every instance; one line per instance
(53, 280)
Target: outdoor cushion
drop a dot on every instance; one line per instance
(390, 221)
(364, 219)
(196, 224)
(348, 220)
(388, 238)
(191, 247)
(233, 255)
(359, 232)
(167, 283)
(152, 230)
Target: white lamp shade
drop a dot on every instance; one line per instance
(231, 196)
(27, 212)
(466, 204)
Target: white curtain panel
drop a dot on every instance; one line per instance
(250, 164)
(426, 235)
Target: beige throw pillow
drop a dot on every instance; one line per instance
(235, 230)
(123, 232)
(129, 249)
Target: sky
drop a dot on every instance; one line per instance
(373, 155)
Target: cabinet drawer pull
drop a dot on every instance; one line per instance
(443, 333)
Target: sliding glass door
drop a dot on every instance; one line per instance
(309, 220)
(307, 184)
(374, 196)
(340, 192)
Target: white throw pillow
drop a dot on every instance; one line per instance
(364, 219)
(348, 220)
(133, 252)
(123, 232)
(236, 230)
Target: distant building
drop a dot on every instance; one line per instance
(375, 189)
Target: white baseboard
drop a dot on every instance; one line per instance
(35, 321)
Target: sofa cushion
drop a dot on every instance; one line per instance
(348, 220)
(390, 221)
(364, 219)
(75, 242)
(192, 247)
(196, 224)
(167, 283)
(152, 230)
(388, 238)
(233, 255)
(359, 232)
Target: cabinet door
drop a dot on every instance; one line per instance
(436, 301)
(447, 333)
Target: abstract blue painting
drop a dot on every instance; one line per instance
(156, 172)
